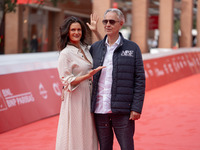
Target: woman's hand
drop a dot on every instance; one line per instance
(94, 71)
(93, 22)
(87, 76)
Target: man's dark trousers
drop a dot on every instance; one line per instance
(122, 126)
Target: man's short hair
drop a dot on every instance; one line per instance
(118, 12)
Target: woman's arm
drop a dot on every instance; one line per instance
(87, 76)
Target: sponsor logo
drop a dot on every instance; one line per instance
(8, 99)
(42, 91)
(57, 89)
(128, 53)
(2, 103)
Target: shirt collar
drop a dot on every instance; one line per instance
(75, 49)
(116, 42)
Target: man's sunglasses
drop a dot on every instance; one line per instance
(112, 22)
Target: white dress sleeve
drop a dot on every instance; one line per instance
(65, 69)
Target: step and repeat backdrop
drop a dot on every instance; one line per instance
(170, 65)
(30, 88)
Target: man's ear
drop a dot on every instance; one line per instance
(121, 23)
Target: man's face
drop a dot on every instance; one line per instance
(112, 24)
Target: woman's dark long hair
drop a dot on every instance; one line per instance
(63, 37)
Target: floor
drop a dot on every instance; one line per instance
(170, 121)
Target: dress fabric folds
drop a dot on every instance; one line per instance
(76, 128)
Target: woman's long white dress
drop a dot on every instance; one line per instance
(76, 129)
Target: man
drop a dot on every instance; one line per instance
(118, 90)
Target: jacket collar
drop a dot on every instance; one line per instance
(121, 41)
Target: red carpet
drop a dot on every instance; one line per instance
(170, 121)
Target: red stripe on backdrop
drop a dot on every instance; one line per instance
(28, 96)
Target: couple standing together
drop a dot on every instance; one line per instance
(104, 86)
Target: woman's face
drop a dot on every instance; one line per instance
(75, 33)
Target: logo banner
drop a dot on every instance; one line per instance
(28, 96)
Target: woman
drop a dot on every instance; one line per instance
(76, 129)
